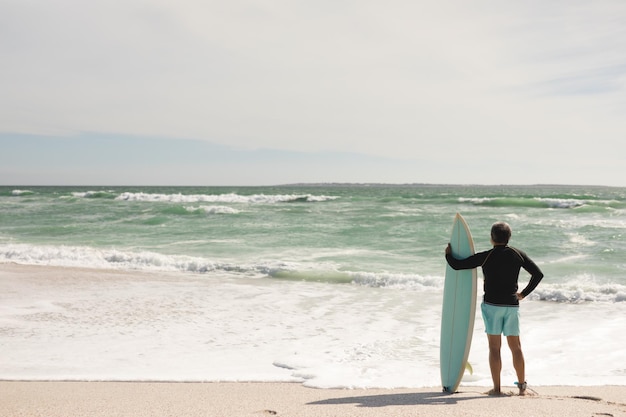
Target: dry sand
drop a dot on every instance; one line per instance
(75, 399)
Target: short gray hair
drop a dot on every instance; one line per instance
(500, 232)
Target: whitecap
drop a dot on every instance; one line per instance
(224, 198)
(212, 209)
(561, 203)
(17, 193)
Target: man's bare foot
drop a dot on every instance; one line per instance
(497, 393)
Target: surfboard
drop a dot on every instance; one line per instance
(459, 310)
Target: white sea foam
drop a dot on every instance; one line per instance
(91, 194)
(564, 203)
(85, 257)
(577, 239)
(576, 290)
(389, 280)
(78, 325)
(475, 200)
(223, 198)
(212, 209)
(569, 258)
(559, 203)
(581, 292)
(18, 193)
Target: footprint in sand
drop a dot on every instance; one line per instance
(267, 412)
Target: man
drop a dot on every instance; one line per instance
(500, 307)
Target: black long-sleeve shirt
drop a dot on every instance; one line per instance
(501, 266)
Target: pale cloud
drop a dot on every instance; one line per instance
(398, 79)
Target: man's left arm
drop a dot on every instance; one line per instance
(535, 276)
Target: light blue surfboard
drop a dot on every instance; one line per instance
(459, 309)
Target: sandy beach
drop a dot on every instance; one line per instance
(51, 399)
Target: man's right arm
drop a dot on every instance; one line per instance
(470, 262)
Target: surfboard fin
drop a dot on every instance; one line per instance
(468, 368)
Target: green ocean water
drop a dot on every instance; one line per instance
(377, 235)
(328, 285)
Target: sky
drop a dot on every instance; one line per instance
(202, 92)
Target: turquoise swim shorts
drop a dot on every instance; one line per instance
(501, 319)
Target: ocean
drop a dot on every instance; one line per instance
(328, 285)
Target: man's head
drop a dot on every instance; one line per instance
(500, 233)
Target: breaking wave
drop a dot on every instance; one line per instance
(578, 290)
(223, 198)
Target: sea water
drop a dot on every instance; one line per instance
(329, 285)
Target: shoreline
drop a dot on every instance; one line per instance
(82, 398)
(182, 399)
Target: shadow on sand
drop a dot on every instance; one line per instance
(423, 398)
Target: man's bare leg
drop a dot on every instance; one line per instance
(495, 362)
(518, 362)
